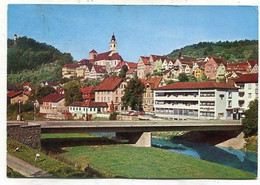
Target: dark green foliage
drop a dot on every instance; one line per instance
(250, 121)
(73, 92)
(169, 82)
(192, 79)
(237, 51)
(30, 54)
(44, 91)
(204, 77)
(91, 82)
(113, 115)
(123, 71)
(133, 96)
(183, 77)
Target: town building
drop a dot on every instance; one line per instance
(150, 85)
(81, 110)
(53, 106)
(212, 65)
(16, 96)
(248, 90)
(88, 93)
(111, 89)
(196, 100)
(97, 72)
(50, 83)
(143, 67)
(69, 70)
(253, 66)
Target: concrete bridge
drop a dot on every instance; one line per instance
(137, 133)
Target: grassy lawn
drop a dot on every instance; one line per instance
(66, 135)
(46, 163)
(137, 162)
(13, 174)
(99, 119)
(251, 145)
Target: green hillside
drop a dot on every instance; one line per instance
(28, 54)
(29, 60)
(237, 51)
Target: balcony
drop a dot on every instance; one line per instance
(176, 97)
(181, 106)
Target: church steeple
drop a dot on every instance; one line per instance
(113, 43)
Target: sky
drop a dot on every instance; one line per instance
(139, 30)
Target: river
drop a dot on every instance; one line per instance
(246, 161)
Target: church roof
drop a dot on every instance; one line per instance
(108, 56)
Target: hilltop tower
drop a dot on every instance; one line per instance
(113, 43)
(15, 39)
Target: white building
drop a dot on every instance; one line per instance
(80, 110)
(248, 90)
(196, 100)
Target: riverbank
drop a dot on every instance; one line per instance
(123, 161)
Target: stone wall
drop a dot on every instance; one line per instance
(27, 134)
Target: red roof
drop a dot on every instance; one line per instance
(89, 89)
(132, 65)
(93, 51)
(242, 66)
(52, 97)
(108, 56)
(120, 64)
(26, 84)
(130, 71)
(71, 65)
(219, 60)
(252, 62)
(145, 60)
(89, 103)
(153, 82)
(196, 85)
(109, 84)
(12, 94)
(100, 69)
(156, 57)
(247, 78)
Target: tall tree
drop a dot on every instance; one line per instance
(183, 77)
(133, 96)
(250, 121)
(44, 91)
(123, 71)
(73, 92)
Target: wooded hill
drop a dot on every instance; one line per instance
(236, 51)
(26, 53)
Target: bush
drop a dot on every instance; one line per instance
(250, 121)
(113, 115)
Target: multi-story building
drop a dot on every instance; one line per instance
(253, 66)
(16, 97)
(69, 70)
(196, 100)
(80, 110)
(148, 99)
(97, 72)
(53, 106)
(212, 65)
(88, 93)
(143, 67)
(248, 90)
(111, 90)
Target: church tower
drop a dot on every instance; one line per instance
(113, 43)
(15, 39)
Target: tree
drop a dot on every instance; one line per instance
(204, 77)
(123, 71)
(183, 77)
(133, 95)
(250, 121)
(44, 91)
(169, 82)
(73, 92)
(192, 79)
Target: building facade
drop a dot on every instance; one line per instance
(196, 100)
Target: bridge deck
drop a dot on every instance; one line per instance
(135, 126)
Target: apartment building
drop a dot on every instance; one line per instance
(248, 90)
(196, 100)
(111, 89)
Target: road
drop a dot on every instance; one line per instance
(25, 168)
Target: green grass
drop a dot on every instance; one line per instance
(13, 174)
(99, 119)
(251, 145)
(66, 135)
(137, 162)
(46, 163)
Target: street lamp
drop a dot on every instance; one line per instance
(19, 110)
(34, 105)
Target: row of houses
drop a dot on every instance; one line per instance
(210, 66)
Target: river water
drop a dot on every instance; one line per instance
(246, 161)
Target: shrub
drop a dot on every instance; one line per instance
(113, 115)
(250, 121)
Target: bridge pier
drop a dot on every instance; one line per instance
(139, 139)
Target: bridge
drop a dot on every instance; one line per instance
(137, 133)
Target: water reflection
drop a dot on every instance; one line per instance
(246, 161)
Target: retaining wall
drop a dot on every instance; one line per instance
(27, 134)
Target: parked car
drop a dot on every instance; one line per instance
(129, 113)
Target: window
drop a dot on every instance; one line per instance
(229, 94)
(116, 99)
(249, 86)
(229, 104)
(249, 95)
